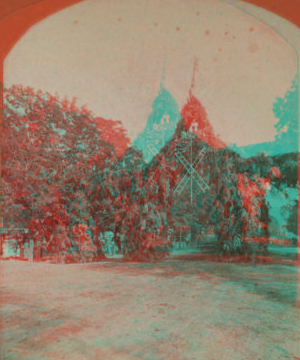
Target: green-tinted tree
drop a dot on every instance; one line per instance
(286, 110)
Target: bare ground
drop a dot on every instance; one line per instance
(172, 310)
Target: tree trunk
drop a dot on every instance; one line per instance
(98, 244)
(193, 229)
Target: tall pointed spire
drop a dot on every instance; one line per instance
(195, 117)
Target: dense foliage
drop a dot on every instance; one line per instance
(69, 177)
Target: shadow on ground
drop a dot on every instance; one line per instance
(274, 281)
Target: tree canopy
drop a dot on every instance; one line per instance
(69, 175)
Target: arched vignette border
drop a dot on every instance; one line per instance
(17, 16)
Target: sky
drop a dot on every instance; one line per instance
(110, 55)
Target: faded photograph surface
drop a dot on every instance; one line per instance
(150, 184)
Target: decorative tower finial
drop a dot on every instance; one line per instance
(194, 76)
(163, 77)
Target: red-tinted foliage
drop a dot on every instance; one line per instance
(195, 117)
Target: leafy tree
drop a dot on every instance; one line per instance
(286, 110)
(292, 221)
(51, 151)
